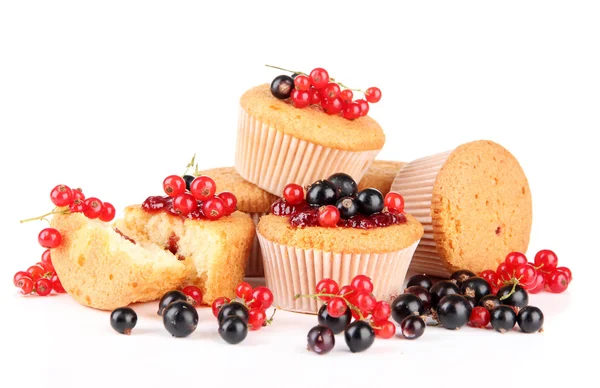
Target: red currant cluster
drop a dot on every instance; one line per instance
(317, 88)
(40, 278)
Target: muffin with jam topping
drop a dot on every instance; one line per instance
(331, 230)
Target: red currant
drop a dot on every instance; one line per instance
(213, 209)
(384, 329)
(537, 285)
(327, 286)
(346, 95)
(315, 96)
(256, 318)
(262, 297)
(78, 194)
(381, 311)
(77, 206)
(329, 216)
(108, 212)
(57, 285)
(300, 98)
(336, 307)
(47, 261)
(203, 188)
(364, 107)
(174, 185)
(490, 276)
(194, 293)
(347, 292)
(184, 204)
(394, 201)
(525, 274)
(319, 78)
(302, 82)
(61, 195)
(92, 208)
(504, 273)
(19, 275)
(244, 291)
(43, 286)
(557, 282)
(49, 238)
(229, 201)
(36, 272)
(546, 260)
(352, 111)
(514, 260)
(362, 283)
(373, 94)
(293, 194)
(567, 272)
(25, 285)
(480, 317)
(332, 106)
(331, 90)
(217, 304)
(365, 302)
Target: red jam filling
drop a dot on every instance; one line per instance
(156, 204)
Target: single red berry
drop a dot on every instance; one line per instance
(362, 283)
(480, 317)
(244, 291)
(78, 194)
(194, 293)
(256, 318)
(504, 273)
(327, 286)
(567, 272)
(184, 204)
(213, 208)
(331, 90)
(108, 212)
(394, 201)
(293, 193)
(61, 195)
(315, 96)
(229, 201)
(77, 206)
(537, 285)
(490, 276)
(514, 260)
(217, 304)
(329, 216)
(384, 329)
(373, 94)
(332, 106)
(336, 307)
(525, 274)
(262, 297)
(43, 286)
(381, 311)
(25, 285)
(92, 208)
(546, 260)
(319, 78)
(49, 238)
(347, 292)
(203, 188)
(557, 281)
(19, 275)
(174, 185)
(365, 302)
(47, 261)
(57, 285)
(300, 98)
(346, 95)
(364, 107)
(302, 82)
(36, 272)
(352, 111)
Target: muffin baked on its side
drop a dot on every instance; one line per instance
(381, 175)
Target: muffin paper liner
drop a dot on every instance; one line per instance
(254, 268)
(290, 271)
(271, 159)
(415, 183)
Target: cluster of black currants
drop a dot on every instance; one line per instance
(233, 322)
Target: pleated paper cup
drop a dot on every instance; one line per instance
(271, 159)
(254, 268)
(290, 271)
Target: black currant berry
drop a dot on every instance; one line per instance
(518, 298)
(320, 339)
(460, 276)
(489, 302)
(170, 297)
(530, 319)
(188, 181)
(180, 318)
(370, 201)
(321, 193)
(503, 318)
(476, 288)
(441, 289)
(405, 305)
(282, 86)
(422, 293)
(231, 309)
(454, 311)
(347, 206)
(346, 186)
(123, 320)
(233, 329)
(420, 280)
(359, 336)
(337, 325)
(412, 327)
(471, 301)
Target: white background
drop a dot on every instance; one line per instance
(113, 96)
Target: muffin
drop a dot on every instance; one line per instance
(278, 143)
(381, 175)
(475, 205)
(299, 250)
(251, 200)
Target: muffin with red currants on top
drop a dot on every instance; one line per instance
(334, 231)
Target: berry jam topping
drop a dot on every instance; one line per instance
(282, 208)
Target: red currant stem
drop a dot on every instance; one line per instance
(191, 164)
(288, 70)
(347, 87)
(43, 217)
(270, 320)
(514, 288)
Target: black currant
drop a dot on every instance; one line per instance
(294, 75)
(359, 336)
(530, 319)
(170, 297)
(503, 318)
(489, 302)
(233, 329)
(420, 280)
(422, 293)
(180, 318)
(320, 339)
(412, 327)
(441, 289)
(476, 288)
(233, 308)
(471, 301)
(460, 276)
(188, 181)
(370, 201)
(282, 86)
(321, 193)
(347, 187)
(337, 325)
(517, 297)
(454, 311)
(123, 320)
(347, 206)
(405, 305)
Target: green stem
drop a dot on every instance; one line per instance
(514, 288)
(288, 70)
(347, 87)
(43, 217)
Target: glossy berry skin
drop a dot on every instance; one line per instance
(525, 274)
(185, 204)
(384, 329)
(194, 295)
(480, 317)
(442, 289)
(344, 183)
(57, 285)
(35, 272)
(351, 111)
(489, 302)
(364, 107)
(43, 286)
(229, 202)
(47, 261)
(123, 320)
(331, 90)
(61, 195)
(347, 206)
(412, 327)
(362, 283)
(557, 281)
(567, 272)
(537, 285)
(173, 185)
(337, 325)
(519, 298)
(336, 307)
(293, 194)
(329, 216)
(332, 106)
(20, 275)
(327, 286)
(382, 311)
(370, 201)
(503, 318)
(262, 297)
(321, 193)
(319, 78)
(346, 95)
(420, 280)
(359, 336)
(302, 82)
(422, 294)
(244, 291)
(256, 318)
(300, 98)
(453, 311)
(504, 273)
(320, 339)
(217, 304)
(180, 319)
(203, 188)
(170, 297)
(373, 94)
(460, 276)
(49, 238)
(394, 201)
(78, 194)
(476, 288)
(108, 212)
(213, 208)
(530, 319)
(188, 179)
(490, 276)
(77, 206)
(315, 96)
(365, 302)
(405, 305)
(282, 86)
(233, 308)
(233, 329)
(92, 208)
(25, 285)
(546, 260)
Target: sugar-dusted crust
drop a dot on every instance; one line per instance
(380, 175)
(311, 123)
(481, 207)
(341, 240)
(251, 198)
